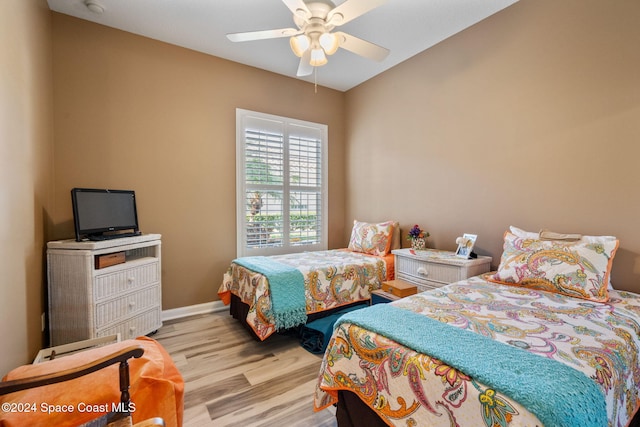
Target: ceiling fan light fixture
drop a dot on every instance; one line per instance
(329, 43)
(336, 19)
(318, 58)
(313, 40)
(299, 44)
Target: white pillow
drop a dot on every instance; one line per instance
(585, 239)
(524, 234)
(597, 239)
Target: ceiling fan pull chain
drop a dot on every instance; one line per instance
(315, 79)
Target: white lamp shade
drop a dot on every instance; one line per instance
(329, 43)
(318, 57)
(299, 44)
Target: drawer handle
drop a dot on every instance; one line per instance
(132, 304)
(132, 331)
(131, 279)
(423, 271)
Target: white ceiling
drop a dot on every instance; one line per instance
(406, 27)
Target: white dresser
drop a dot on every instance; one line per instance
(90, 298)
(431, 268)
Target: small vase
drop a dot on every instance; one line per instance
(419, 244)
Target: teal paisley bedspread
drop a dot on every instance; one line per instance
(287, 289)
(578, 400)
(331, 279)
(405, 386)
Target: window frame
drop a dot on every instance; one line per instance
(242, 118)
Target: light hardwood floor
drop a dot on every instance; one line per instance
(233, 380)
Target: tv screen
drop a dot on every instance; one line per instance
(99, 214)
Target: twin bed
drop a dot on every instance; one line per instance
(327, 280)
(587, 372)
(545, 340)
(274, 293)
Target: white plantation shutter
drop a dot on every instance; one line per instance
(281, 184)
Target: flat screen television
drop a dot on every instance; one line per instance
(100, 214)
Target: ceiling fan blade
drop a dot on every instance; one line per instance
(351, 9)
(299, 8)
(305, 68)
(361, 47)
(263, 35)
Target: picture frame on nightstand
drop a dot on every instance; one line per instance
(465, 245)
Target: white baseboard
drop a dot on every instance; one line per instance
(192, 310)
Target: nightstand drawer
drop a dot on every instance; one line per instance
(421, 284)
(420, 271)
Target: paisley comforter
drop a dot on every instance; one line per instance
(332, 279)
(408, 388)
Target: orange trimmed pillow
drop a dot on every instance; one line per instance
(577, 269)
(372, 239)
(585, 239)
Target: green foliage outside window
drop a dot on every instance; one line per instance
(297, 222)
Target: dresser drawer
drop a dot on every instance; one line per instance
(116, 283)
(114, 310)
(141, 324)
(424, 272)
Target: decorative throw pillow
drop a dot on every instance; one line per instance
(577, 269)
(550, 234)
(372, 239)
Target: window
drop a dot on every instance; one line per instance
(281, 184)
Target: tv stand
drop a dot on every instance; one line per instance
(100, 237)
(89, 299)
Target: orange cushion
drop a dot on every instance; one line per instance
(157, 389)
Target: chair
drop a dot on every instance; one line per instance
(119, 417)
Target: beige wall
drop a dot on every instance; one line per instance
(25, 174)
(133, 113)
(530, 118)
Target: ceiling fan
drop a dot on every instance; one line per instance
(313, 40)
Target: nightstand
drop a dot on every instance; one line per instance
(432, 268)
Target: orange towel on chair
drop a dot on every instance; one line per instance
(157, 389)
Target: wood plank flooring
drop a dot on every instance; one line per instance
(233, 380)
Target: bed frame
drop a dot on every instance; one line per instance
(353, 412)
(239, 311)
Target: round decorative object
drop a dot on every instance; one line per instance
(419, 244)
